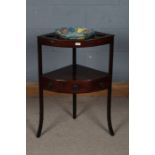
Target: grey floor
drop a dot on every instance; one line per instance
(87, 135)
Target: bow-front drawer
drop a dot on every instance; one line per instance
(75, 86)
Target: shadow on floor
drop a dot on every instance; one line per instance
(121, 124)
(31, 126)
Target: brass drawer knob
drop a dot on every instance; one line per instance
(50, 85)
(75, 88)
(52, 41)
(101, 84)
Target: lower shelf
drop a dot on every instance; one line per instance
(75, 79)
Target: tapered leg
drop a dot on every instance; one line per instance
(41, 106)
(109, 113)
(74, 106)
(41, 112)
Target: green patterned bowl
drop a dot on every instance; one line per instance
(77, 33)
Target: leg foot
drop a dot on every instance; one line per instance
(41, 108)
(109, 113)
(74, 106)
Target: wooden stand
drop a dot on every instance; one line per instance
(75, 78)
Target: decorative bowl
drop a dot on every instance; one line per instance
(79, 33)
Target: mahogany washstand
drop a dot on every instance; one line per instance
(75, 78)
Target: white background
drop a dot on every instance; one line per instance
(13, 82)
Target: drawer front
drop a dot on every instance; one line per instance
(75, 86)
(52, 85)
